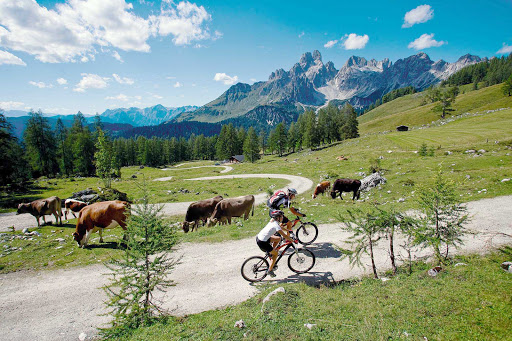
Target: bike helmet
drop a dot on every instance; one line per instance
(276, 213)
(292, 191)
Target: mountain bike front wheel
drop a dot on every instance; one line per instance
(254, 269)
(307, 233)
(301, 261)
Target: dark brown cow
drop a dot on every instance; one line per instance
(346, 185)
(200, 211)
(321, 188)
(42, 207)
(99, 216)
(72, 205)
(232, 207)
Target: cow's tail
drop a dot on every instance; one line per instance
(253, 208)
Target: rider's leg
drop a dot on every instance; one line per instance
(274, 240)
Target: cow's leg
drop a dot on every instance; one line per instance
(44, 219)
(229, 220)
(73, 213)
(38, 225)
(100, 231)
(66, 214)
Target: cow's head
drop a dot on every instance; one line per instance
(80, 239)
(23, 208)
(333, 194)
(185, 226)
(212, 222)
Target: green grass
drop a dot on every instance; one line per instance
(404, 170)
(46, 252)
(462, 303)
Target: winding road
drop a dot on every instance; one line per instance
(61, 304)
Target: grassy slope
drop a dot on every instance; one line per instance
(404, 170)
(406, 307)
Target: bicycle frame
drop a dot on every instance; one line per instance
(286, 246)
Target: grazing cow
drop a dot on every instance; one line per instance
(73, 206)
(42, 207)
(99, 216)
(321, 188)
(232, 207)
(199, 211)
(346, 185)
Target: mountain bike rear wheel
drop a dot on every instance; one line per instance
(254, 269)
(301, 261)
(307, 233)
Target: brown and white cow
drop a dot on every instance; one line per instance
(232, 207)
(73, 205)
(321, 188)
(200, 211)
(100, 216)
(346, 185)
(42, 207)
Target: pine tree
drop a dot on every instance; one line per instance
(81, 142)
(63, 148)
(251, 146)
(281, 138)
(263, 141)
(13, 167)
(443, 217)
(104, 158)
(144, 268)
(350, 129)
(507, 86)
(40, 145)
(445, 99)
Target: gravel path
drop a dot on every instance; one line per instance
(59, 305)
(301, 184)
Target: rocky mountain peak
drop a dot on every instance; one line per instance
(306, 61)
(355, 61)
(468, 58)
(317, 56)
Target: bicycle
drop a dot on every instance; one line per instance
(254, 269)
(307, 231)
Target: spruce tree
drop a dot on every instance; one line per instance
(40, 145)
(350, 128)
(251, 146)
(281, 138)
(104, 157)
(13, 167)
(143, 269)
(507, 86)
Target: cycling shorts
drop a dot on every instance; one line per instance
(264, 246)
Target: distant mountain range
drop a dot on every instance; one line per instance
(311, 84)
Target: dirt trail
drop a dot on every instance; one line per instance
(301, 184)
(59, 305)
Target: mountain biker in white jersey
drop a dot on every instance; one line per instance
(267, 239)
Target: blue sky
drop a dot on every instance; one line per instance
(89, 55)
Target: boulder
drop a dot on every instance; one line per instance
(372, 180)
(108, 194)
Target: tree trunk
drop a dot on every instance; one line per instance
(392, 251)
(374, 268)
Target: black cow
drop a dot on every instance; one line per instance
(346, 185)
(199, 211)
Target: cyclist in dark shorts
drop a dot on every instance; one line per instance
(267, 239)
(282, 198)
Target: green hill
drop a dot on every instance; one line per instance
(408, 110)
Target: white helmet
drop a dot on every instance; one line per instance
(292, 191)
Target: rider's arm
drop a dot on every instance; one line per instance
(296, 212)
(286, 235)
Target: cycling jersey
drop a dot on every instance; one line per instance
(269, 230)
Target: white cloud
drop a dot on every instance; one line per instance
(418, 15)
(40, 85)
(116, 55)
(228, 80)
(178, 85)
(62, 81)
(170, 77)
(185, 22)
(9, 58)
(91, 81)
(301, 34)
(505, 49)
(123, 80)
(354, 42)
(157, 96)
(120, 97)
(330, 44)
(424, 42)
(75, 29)
(253, 80)
(217, 35)
(11, 105)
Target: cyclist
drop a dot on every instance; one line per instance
(281, 198)
(267, 240)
